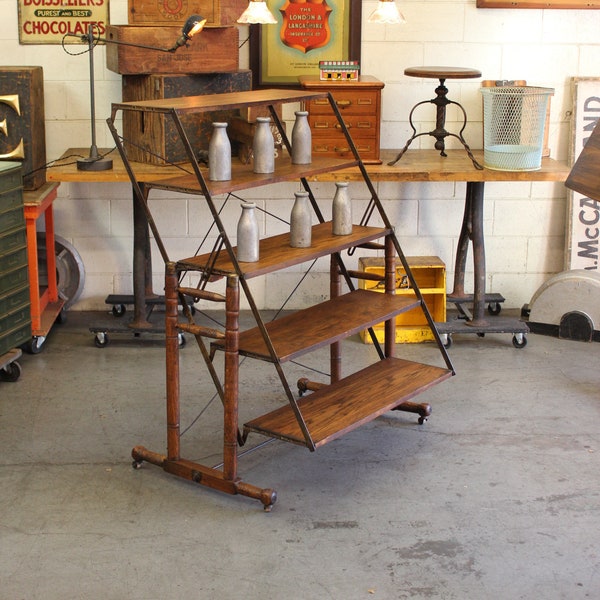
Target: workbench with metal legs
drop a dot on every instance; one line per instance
(475, 321)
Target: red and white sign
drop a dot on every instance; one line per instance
(305, 24)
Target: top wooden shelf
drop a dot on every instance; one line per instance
(211, 102)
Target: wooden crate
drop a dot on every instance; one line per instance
(211, 51)
(430, 275)
(22, 114)
(152, 138)
(218, 13)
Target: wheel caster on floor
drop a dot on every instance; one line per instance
(101, 339)
(137, 464)
(446, 340)
(118, 310)
(11, 372)
(494, 308)
(181, 340)
(35, 345)
(519, 341)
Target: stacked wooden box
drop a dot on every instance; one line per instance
(208, 65)
(430, 274)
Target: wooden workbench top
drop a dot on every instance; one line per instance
(415, 165)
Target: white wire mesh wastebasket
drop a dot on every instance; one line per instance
(513, 127)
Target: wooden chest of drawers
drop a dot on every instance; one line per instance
(359, 102)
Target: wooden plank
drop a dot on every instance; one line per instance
(585, 175)
(322, 324)
(355, 400)
(415, 166)
(243, 177)
(276, 253)
(221, 101)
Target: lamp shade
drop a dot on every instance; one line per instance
(257, 13)
(387, 12)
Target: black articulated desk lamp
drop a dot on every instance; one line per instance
(94, 162)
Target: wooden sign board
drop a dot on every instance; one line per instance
(47, 22)
(584, 202)
(22, 122)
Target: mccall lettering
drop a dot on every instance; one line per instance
(589, 215)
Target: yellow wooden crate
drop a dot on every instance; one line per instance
(430, 274)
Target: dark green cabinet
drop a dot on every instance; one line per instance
(15, 318)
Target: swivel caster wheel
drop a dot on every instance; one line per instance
(118, 310)
(101, 339)
(10, 372)
(494, 308)
(181, 340)
(61, 318)
(34, 346)
(446, 340)
(137, 464)
(519, 341)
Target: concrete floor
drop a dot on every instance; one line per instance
(495, 497)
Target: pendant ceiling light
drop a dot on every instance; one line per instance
(257, 13)
(387, 12)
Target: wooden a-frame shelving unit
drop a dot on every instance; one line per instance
(329, 410)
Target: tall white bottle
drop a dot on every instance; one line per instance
(301, 222)
(263, 146)
(341, 210)
(247, 234)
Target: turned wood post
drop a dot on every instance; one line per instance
(390, 288)
(230, 412)
(172, 361)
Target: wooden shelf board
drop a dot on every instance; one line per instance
(322, 324)
(243, 177)
(212, 102)
(276, 253)
(355, 400)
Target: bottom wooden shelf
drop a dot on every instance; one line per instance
(345, 405)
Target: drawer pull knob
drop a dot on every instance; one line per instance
(348, 126)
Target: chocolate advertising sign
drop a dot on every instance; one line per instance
(48, 21)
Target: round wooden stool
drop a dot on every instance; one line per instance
(441, 101)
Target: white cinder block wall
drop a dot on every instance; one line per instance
(524, 222)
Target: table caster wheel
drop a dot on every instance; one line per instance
(118, 310)
(422, 420)
(181, 340)
(11, 372)
(446, 340)
(62, 316)
(101, 339)
(519, 340)
(34, 346)
(494, 308)
(137, 464)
